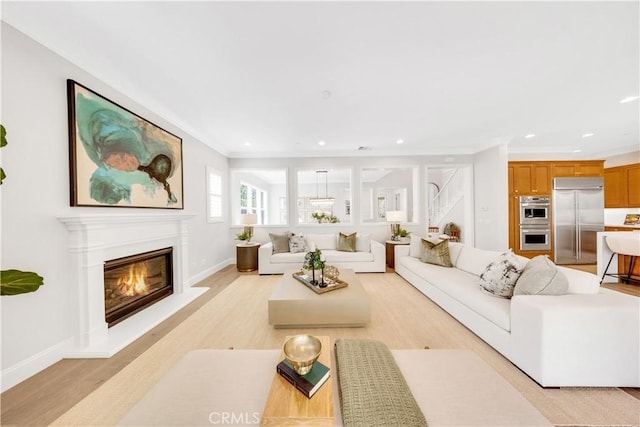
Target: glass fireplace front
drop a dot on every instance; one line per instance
(135, 282)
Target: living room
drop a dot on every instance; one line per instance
(40, 329)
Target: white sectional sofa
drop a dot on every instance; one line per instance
(588, 337)
(369, 256)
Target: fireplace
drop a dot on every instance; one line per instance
(95, 239)
(135, 282)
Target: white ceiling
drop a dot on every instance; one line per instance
(445, 77)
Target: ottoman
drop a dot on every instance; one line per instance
(293, 305)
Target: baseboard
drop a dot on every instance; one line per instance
(209, 271)
(19, 372)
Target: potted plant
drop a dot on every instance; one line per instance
(244, 237)
(313, 262)
(403, 233)
(15, 282)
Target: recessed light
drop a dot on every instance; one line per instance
(587, 135)
(628, 99)
(321, 142)
(400, 141)
(247, 144)
(530, 135)
(577, 150)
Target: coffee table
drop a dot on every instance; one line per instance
(293, 305)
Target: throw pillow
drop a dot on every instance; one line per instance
(436, 253)
(541, 277)
(500, 276)
(297, 243)
(280, 242)
(346, 242)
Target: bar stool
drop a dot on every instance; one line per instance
(623, 244)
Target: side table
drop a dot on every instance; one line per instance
(390, 246)
(286, 406)
(247, 256)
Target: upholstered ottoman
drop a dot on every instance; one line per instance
(292, 304)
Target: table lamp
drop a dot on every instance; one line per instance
(248, 220)
(395, 218)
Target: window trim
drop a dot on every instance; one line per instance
(210, 170)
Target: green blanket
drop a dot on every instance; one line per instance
(371, 387)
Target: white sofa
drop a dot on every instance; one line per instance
(368, 258)
(588, 337)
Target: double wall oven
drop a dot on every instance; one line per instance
(535, 223)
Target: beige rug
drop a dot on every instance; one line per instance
(401, 317)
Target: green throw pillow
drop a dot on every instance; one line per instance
(347, 242)
(280, 242)
(436, 253)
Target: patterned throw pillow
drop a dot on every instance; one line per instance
(297, 243)
(541, 277)
(436, 253)
(280, 242)
(347, 242)
(500, 276)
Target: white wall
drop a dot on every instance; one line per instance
(491, 189)
(36, 327)
(622, 159)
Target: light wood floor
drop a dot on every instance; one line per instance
(44, 397)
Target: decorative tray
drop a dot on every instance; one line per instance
(332, 284)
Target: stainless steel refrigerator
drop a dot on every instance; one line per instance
(578, 214)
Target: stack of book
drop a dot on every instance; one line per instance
(307, 384)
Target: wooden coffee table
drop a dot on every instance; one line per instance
(292, 304)
(286, 406)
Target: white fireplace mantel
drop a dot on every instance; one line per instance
(96, 238)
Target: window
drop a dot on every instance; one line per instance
(259, 191)
(388, 189)
(214, 193)
(324, 196)
(256, 204)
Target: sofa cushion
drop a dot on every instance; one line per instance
(455, 249)
(500, 276)
(580, 282)
(280, 242)
(333, 256)
(323, 241)
(474, 260)
(288, 257)
(346, 242)
(464, 288)
(363, 243)
(297, 243)
(436, 253)
(541, 277)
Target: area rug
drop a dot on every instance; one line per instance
(402, 318)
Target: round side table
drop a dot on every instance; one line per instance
(247, 256)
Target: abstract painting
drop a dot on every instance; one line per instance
(119, 159)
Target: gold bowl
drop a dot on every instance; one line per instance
(302, 351)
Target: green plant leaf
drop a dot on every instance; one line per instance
(3, 136)
(14, 282)
(2, 175)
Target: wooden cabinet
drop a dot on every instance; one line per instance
(577, 169)
(622, 186)
(633, 186)
(535, 179)
(531, 178)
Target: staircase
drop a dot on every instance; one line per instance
(451, 193)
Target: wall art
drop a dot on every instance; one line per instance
(119, 159)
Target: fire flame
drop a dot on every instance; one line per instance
(134, 283)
